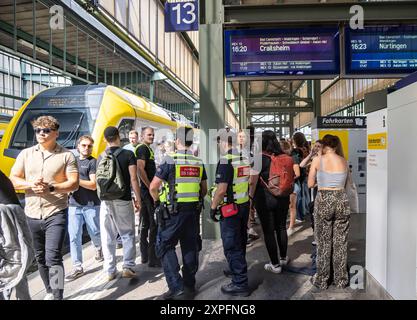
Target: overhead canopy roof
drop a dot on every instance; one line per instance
(274, 96)
(77, 50)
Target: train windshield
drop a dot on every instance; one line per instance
(76, 114)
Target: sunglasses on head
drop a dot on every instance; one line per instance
(44, 130)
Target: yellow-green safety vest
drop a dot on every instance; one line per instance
(188, 174)
(241, 173)
(152, 154)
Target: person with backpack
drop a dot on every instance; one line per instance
(116, 177)
(272, 187)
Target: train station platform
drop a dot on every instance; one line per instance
(292, 284)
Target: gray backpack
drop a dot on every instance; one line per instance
(110, 182)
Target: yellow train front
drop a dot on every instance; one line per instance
(85, 109)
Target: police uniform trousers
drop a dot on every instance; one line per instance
(148, 229)
(179, 227)
(234, 236)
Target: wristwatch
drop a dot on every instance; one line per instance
(51, 188)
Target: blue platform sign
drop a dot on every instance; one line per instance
(181, 16)
(381, 50)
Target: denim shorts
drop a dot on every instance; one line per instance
(297, 188)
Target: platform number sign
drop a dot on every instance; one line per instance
(181, 16)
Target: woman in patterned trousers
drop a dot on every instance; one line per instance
(331, 213)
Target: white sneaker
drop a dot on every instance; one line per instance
(274, 269)
(252, 232)
(298, 221)
(252, 235)
(290, 231)
(49, 296)
(284, 262)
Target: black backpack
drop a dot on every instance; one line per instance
(109, 177)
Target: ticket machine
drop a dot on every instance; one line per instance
(352, 133)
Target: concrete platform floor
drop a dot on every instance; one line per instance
(292, 284)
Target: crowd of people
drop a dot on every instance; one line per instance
(63, 192)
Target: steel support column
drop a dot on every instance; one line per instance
(317, 98)
(212, 105)
(243, 94)
(151, 90)
(291, 124)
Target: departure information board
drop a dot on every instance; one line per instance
(282, 52)
(381, 50)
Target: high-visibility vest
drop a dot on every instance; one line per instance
(185, 186)
(152, 154)
(241, 173)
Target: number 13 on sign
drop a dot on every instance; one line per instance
(181, 16)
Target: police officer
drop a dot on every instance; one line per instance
(231, 198)
(183, 180)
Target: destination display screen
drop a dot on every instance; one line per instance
(381, 50)
(282, 52)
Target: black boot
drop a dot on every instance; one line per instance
(174, 295)
(235, 290)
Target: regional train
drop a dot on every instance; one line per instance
(86, 109)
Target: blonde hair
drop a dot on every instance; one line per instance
(85, 137)
(135, 132)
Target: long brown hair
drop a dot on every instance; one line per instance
(286, 147)
(333, 142)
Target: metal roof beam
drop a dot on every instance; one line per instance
(270, 125)
(279, 97)
(280, 109)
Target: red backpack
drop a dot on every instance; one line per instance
(281, 175)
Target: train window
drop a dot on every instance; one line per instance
(73, 124)
(124, 127)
